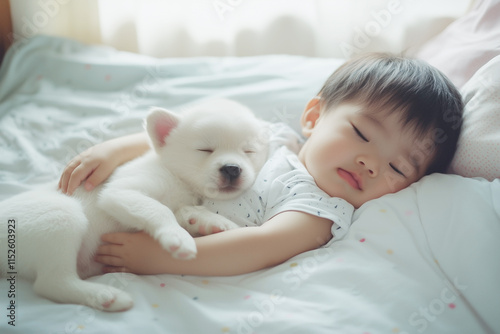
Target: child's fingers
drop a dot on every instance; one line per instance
(117, 238)
(66, 175)
(76, 178)
(109, 254)
(108, 250)
(108, 260)
(98, 175)
(112, 264)
(93, 173)
(112, 269)
(63, 182)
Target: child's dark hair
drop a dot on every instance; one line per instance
(428, 101)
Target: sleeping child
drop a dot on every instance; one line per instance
(379, 123)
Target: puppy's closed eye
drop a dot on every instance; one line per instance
(249, 149)
(206, 150)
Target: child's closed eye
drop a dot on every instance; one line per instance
(397, 170)
(359, 133)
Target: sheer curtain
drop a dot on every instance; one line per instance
(175, 28)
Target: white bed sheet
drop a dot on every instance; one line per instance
(424, 260)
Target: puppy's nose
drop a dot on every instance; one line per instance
(230, 172)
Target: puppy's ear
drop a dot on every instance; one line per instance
(159, 125)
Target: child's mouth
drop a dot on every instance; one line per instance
(349, 178)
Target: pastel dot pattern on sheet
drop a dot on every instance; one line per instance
(169, 292)
(389, 251)
(249, 299)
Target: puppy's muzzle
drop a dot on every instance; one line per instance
(230, 173)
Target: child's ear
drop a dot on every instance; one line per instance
(310, 116)
(159, 125)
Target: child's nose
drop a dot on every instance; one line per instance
(369, 164)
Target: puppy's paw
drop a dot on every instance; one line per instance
(113, 301)
(71, 290)
(178, 242)
(198, 220)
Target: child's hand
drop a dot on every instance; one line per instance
(93, 165)
(98, 162)
(136, 253)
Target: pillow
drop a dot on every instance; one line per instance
(445, 227)
(464, 241)
(478, 152)
(466, 44)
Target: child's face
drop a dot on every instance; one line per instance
(360, 156)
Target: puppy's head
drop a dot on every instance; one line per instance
(217, 148)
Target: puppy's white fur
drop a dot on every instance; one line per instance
(213, 150)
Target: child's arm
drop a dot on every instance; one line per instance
(98, 162)
(227, 253)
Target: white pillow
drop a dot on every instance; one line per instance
(460, 217)
(444, 223)
(478, 153)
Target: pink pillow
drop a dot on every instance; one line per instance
(478, 152)
(466, 44)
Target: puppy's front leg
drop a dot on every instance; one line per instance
(138, 211)
(198, 220)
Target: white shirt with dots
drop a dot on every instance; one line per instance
(283, 184)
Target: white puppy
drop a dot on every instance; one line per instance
(210, 151)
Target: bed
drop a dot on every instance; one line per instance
(423, 260)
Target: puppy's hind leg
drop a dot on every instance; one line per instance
(70, 289)
(56, 266)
